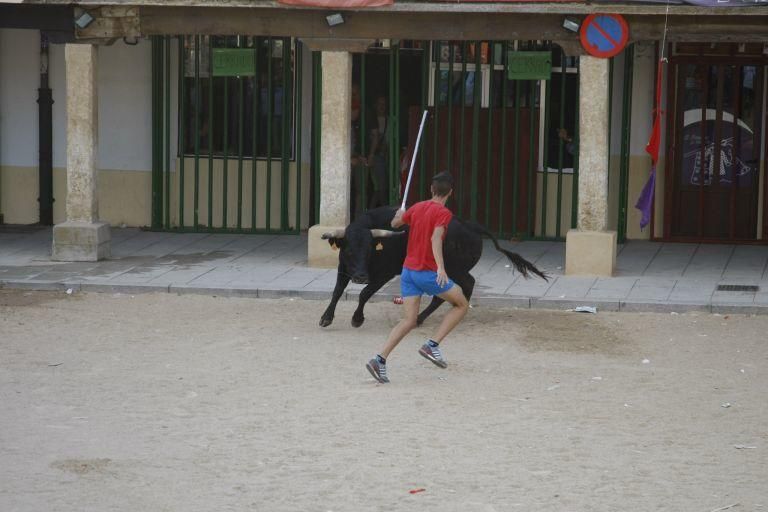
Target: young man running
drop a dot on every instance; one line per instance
(424, 273)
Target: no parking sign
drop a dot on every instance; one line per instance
(604, 35)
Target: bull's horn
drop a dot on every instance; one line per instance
(339, 233)
(384, 233)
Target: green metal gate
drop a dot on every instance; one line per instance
(237, 163)
(515, 170)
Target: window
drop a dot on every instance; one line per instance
(238, 115)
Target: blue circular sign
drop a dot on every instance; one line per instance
(604, 35)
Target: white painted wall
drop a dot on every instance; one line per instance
(125, 108)
(19, 80)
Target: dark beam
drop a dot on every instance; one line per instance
(433, 25)
(55, 18)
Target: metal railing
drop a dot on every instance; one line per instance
(238, 162)
(497, 136)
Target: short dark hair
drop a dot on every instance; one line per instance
(442, 184)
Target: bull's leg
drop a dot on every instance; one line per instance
(436, 301)
(467, 283)
(342, 280)
(358, 317)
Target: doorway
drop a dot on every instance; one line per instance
(715, 145)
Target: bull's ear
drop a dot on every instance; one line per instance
(336, 243)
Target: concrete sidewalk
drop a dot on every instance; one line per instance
(650, 277)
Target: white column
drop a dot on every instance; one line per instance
(335, 150)
(335, 138)
(593, 143)
(591, 249)
(82, 237)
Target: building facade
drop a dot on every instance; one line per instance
(260, 117)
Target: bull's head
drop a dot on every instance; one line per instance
(355, 246)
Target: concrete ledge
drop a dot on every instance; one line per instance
(564, 304)
(501, 301)
(740, 309)
(517, 302)
(42, 286)
(662, 307)
(320, 254)
(590, 253)
(128, 289)
(81, 241)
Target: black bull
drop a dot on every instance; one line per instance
(371, 253)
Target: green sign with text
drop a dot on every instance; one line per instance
(529, 65)
(233, 62)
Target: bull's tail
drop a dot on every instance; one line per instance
(522, 265)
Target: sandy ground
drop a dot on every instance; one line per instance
(192, 403)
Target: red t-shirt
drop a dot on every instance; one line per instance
(423, 218)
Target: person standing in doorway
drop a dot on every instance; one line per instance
(378, 155)
(424, 273)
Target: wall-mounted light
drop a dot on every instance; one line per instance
(334, 19)
(83, 20)
(572, 25)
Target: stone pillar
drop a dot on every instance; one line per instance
(335, 150)
(591, 249)
(82, 237)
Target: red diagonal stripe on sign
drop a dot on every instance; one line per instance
(604, 33)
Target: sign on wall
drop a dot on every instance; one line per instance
(529, 65)
(233, 62)
(604, 35)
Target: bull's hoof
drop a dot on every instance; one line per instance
(357, 322)
(325, 322)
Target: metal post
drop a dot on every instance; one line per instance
(317, 77)
(210, 131)
(561, 144)
(460, 191)
(503, 148)
(157, 132)
(297, 133)
(182, 125)
(225, 160)
(270, 121)
(575, 189)
(626, 131)
(477, 98)
(256, 91)
(240, 130)
(489, 131)
(449, 88)
(436, 104)
(196, 192)
(424, 93)
(363, 138)
(167, 166)
(286, 125)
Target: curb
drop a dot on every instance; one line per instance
(500, 301)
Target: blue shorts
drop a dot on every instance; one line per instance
(414, 283)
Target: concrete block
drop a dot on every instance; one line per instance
(590, 253)
(81, 241)
(319, 252)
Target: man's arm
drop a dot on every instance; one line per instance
(397, 221)
(437, 252)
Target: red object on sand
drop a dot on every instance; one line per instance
(414, 491)
(397, 300)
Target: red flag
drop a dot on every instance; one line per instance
(338, 4)
(652, 148)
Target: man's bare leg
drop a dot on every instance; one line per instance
(454, 296)
(406, 325)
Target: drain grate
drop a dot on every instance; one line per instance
(737, 288)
